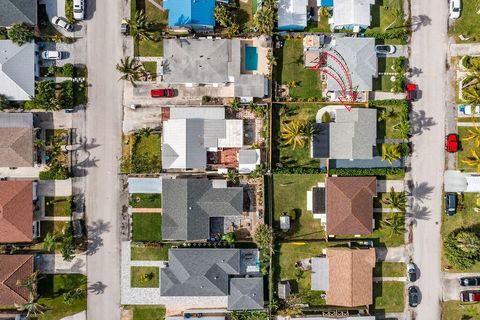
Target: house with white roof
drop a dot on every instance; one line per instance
(352, 14)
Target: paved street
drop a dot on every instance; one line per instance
(428, 54)
(101, 157)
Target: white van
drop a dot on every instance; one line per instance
(78, 9)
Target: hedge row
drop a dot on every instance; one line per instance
(344, 172)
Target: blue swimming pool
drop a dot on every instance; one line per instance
(251, 58)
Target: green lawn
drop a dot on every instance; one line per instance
(148, 312)
(159, 253)
(145, 277)
(467, 24)
(51, 289)
(151, 67)
(385, 128)
(383, 14)
(147, 154)
(147, 227)
(455, 310)
(383, 82)
(149, 48)
(377, 202)
(383, 236)
(389, 296)
(389, 269)
(290, 193)
(284, 263)
(50, 226)
(290, 67)
(464, 218)
(56, 136)
(286, 155)
(146, 200)
(466, 150)
(58, 206)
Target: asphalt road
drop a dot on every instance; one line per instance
(103, 149)
(428, 56)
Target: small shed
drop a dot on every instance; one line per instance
(283, 289)
(285, 222)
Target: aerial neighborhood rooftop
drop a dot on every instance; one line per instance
(239, 159)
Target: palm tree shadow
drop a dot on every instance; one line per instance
(420, 122)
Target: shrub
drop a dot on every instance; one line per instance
(4, 102)
(326, 117)
(68, 246)
(69, 11)
(20, 33)
(404, 149)
(68, 70)
(263, 236)
(391, 34)
(206, 99)
(67, 93)
(461, 248)
(351, 172)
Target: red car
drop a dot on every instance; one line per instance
(470, 296)
(412, 92)
(162, 93)
(451, 143)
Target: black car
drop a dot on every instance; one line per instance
(469, 281)
(413, 297)
(412, 272)
(450, 204)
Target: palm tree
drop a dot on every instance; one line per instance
(30, 283)
(145, 132)
(473, 160)
(471, 93)
(223, 16)
(386, 114)
(395, 200)
(397, 14)
(390, 152)
(51, 240)
(232, 176)
(130, 70)
(32, 307)
(233, 29)
(293, 134)
(292, 84)
(141, 27)
(395, 224)
(264, 20)
(272, 60)
(473, 134)
(234, 105)
(404, 127)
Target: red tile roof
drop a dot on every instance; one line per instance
(12, 269)
(16, 211)
(350, 205)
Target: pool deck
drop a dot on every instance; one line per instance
(262, 64)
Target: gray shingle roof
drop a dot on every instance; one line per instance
(16, 140)
(199, 272)
(188, 205)
(353, 134)
(361, 60)
(17, 70)
(16, 11)
(246, 294)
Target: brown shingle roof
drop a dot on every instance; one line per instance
(350, 277)
(16, 211)
(350, 205)
(12, 269)
(16, 147)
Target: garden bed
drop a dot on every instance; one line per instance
(147, 227)
(145, 277)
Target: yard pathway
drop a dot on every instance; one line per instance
(149, 210)
(386, 185)
(380, 279)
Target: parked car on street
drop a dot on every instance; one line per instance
(469, 281)
(455, 7)
(385, 49)
(162, 93)
(62, 23)
(412, 92)
(412, 272)
(470, 296)
(450, 203)
(413, 297)
(452, 143)
(78, 9)
(124, 27)
(52, 55)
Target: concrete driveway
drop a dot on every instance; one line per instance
(67, 50)
(428, 54)
(400, 51)
(54, 263)
(451, 287)
(143, 117)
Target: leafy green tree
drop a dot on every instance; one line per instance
(51, 240)
(130, 70)
(4, 102)
(223, 16)
(263, 236)
(230, 238)
(264, 20)
(386, 113)
(462, 248)
(68, 245)
(259, 110)
(144, 132)
(390, 152)
(20, 33)
(395, 200)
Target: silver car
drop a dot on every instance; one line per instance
(78, 9)
(62, 23)
(51, 55)
(385, 49)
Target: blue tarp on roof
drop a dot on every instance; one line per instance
(190, 13)
(327, 3)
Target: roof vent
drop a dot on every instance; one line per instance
(215, 277)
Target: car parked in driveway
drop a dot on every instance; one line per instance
(469, 281)
(385, 49)
(162, 93)
(450, 203)
(452, 143)
(411, 272)
(455, 7)
(470, 296)
(52, 55)
(78, 9)
(62, 23)
(413, 297)
(412, 92)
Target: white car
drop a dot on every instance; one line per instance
(51, 55)
(455, 7)
(78, 9)
(62, 23)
